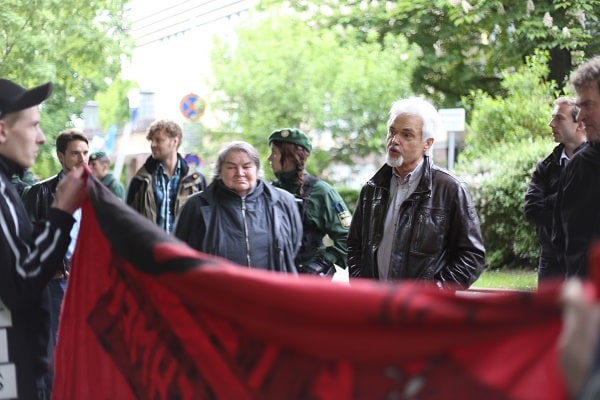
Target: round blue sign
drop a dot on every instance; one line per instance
(192, 106)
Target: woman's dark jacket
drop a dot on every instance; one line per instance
(438, 236)
(262, 230)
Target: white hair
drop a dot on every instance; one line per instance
(421, 108)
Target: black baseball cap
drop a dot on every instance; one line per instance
(14, 97)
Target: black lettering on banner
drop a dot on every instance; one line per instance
(148, 353)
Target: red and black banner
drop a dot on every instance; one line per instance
(146, 317)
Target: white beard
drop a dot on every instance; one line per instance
(394, 162)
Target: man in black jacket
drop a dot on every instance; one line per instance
(72, 150)
(414, 220)
(30, 253)
(541, 193)
(576, 223)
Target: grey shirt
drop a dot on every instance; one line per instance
(400, 190)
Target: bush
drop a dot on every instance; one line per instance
(350, 197)
(498, 181)
(520, 114)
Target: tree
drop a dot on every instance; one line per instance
(281, 72)
(113, 103)
(520, 115)
(467, 44)
(76, 45)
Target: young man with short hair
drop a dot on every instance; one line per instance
(162, 185)
(30, 253)
(72, 150)
(540, 197)
(576, 223)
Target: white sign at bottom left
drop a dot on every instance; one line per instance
(8, 381)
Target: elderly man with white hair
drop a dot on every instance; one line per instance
(415, 220)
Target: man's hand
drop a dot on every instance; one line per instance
(71, 191)
(579, 336)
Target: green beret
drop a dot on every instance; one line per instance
(99, 155)
(291, 135)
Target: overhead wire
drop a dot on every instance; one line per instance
(166, 27)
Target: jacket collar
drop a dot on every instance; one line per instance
(383, 176)
(151, 164)
(10, 167)
(223, 190)
(288, 180)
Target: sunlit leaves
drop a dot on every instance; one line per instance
(338, 83)
(74, 44)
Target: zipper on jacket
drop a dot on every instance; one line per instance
(246, 232)
(419, 228)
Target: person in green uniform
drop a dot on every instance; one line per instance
(100, 165)
(323, 210)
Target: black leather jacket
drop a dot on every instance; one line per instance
(37, 200)
(438, 238)
(576, 217)
(38, 197)
(539, 206)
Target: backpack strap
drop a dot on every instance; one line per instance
(309, 183)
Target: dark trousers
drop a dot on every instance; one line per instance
(57, 288)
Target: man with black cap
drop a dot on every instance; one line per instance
(29, 252)
(100, 165)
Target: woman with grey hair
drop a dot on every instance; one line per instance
(242, 218)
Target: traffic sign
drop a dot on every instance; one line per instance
(192, 106)
(453, 119)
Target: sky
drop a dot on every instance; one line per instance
(173, 47)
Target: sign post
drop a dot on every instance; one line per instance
(454, 121)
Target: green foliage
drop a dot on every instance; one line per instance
(521, 113)
(326, 81)
(498, 180)
(465, 44)
(113, 103)
(76, 45)
(350, 197)
(517, 279)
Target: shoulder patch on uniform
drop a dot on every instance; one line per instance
(345, 218)
(343, 214)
